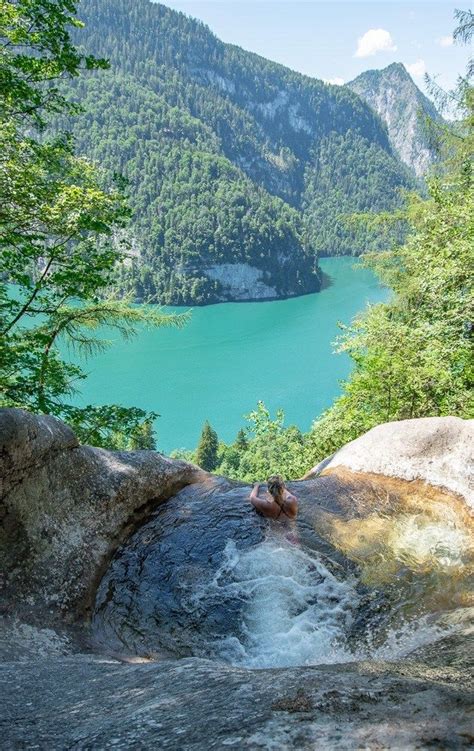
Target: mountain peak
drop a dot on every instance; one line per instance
(392, 71)
(403, 107)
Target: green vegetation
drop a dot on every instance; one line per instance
(413, 355)
(206, 452)
(221, 168)
(229, 158)
(265, 447)
(192, 207)
(59, 232)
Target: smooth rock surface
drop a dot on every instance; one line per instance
(175, 585)
(195, 705)
(375, 577)
(368, 558)
(65, 508)
(436, 450)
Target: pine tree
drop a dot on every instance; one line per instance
(61, 221)
(241, 442)
(206, 452)
(143, 437)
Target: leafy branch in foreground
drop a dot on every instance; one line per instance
(61, 233)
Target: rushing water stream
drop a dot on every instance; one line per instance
(296, 611)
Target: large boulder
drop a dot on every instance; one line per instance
(435, 450)
(65, 508)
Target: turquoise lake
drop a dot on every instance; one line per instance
(231, 355)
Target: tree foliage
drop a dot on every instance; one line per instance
(59, 227)
(206, 452)
(263, 448)
(230, 158)
(412, 356)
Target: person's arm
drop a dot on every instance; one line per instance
(259, 503)
(291, 504)
(254, 493)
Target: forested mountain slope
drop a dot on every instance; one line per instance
(239, 168)
(405, 110)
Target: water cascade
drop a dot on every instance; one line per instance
(361, 576)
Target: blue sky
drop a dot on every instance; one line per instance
(321, 38)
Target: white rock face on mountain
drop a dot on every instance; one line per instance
(394, 96)
(240, 281)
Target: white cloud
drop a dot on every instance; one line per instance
(447, 41)
(417, 69)
(373, 41)
(335, 81)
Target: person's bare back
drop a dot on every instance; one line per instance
(279, 502)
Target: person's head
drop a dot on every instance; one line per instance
(276, 487)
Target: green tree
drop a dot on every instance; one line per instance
(271, 448)
(112, 426)
(241, 442)
(143, 437)
(206, 452)
(413, 355)
(59, 226)
(212, 179)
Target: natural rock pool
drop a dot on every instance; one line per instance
(146, 605)
(373, 569)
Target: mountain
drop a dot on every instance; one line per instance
(395, 97)
(240, 170)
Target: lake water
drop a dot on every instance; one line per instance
(231, 355)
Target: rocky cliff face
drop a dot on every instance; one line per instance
(360, 608)
(394, 96)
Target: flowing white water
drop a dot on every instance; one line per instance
(296, 612)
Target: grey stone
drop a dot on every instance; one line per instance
(79, 521)
(393, 95)
(196, 705)
(435, 450)
(67, 507)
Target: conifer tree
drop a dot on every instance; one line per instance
(143, 437)
(206, 452)
(241, 442)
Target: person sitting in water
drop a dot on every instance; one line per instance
(279, 501)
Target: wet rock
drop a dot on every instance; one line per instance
(185, 580)
(149, 599)
(370, 555)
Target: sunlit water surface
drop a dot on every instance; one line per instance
(297, 612)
